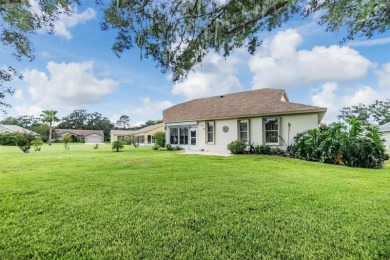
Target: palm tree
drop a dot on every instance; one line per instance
(49, 116)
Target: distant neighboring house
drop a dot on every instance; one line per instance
(87, 136)
(263, 116)
(144, 135)
(17, 129)
(385, 129)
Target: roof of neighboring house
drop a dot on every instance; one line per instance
(142, 130)
(385, 127)
(260, 102)
(80, 132)
(17, 129)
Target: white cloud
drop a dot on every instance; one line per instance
(281, 65)
(384, 77)
(363, 95)
(373, 42)
(35, 111)
(62, 26)
(65, 22)
(329, 95)
(67, 85)
(150, 108)
(214, 76)
(18, 94)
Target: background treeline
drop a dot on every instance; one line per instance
(78, 119)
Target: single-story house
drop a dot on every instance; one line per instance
(145, 136)
(86, 136)
(385, 129)
(17, 129)
(263, 116)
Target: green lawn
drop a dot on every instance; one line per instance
(140, 203)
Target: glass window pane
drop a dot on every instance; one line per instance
(210, 137)
(174, 138)
(271, 124)
(244, 136)
(271, 136)
(183, 135)
(243, 126)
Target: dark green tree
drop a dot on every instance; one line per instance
(50, 117)
(18, 21)
(75, 120)
(179, 33)
(378, 112)
(123, 121)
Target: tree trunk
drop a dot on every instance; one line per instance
(50, 131)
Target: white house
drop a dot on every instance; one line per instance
(385, 129)
(263, 116)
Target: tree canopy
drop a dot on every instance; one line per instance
(178, 34)
(378, 112)
(18, 20)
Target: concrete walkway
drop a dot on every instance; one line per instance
(205, 153)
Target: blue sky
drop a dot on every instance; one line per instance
(75, 68)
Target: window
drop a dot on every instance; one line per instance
(174, 136)
(243, 126)
(153, 139)
(183, 135)
(209, 132)
(271, 130)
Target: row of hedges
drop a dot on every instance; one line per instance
(351, 144)
(240, 147)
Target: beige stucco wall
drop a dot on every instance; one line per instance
(114, 137)
(299, 123)
(151, 132)
(386, 135)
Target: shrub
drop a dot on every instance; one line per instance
(37, 144)
(169, 147)
(251, 148)
(277, 151)
(128, 140)
(155, 147)
(160, 138)
(351, 144)
(237, 147)
(7, 139)
(66, 140)
(118, 145)
(23, 141)
(177, 148)
(262, 149)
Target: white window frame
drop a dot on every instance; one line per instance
(265, 131)
(207, 132)
(247, 130)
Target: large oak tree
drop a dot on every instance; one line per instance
(178, 34)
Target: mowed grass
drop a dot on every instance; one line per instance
(140, 203)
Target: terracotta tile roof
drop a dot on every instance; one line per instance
(80, 132)
(260, 102)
